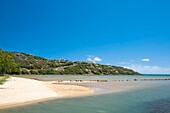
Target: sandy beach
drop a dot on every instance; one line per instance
(18, 91)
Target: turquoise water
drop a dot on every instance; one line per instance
(149, 100)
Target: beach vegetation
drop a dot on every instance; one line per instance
(34, 72)
(3, 79)
(8, 64)
(25, 72)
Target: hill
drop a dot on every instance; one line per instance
(30, 64)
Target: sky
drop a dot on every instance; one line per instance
(131, 33)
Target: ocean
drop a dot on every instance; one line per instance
(145, 100)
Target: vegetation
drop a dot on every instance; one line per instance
(22, 63)
(3, 79)
(7, 63)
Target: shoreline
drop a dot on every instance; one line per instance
(94, 78)
(20, 91)
(60, 90)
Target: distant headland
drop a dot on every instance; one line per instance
(22, 63)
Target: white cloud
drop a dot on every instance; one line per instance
(145, 69)
(89, 59)
(145, 60)
(97, 59)
(148, 69)
(93, 59)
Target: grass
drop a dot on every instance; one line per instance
(3, 79)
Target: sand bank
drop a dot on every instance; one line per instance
(18, 91)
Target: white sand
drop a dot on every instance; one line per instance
(18, 91)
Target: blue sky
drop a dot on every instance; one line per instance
(119, 32)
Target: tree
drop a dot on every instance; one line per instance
(7, 64)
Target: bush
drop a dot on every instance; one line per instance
(3, 79)
(42, 72)
(34, 72)
(25, 72)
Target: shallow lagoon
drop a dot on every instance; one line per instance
(149, 100)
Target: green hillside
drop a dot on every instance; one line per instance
(30, 64)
